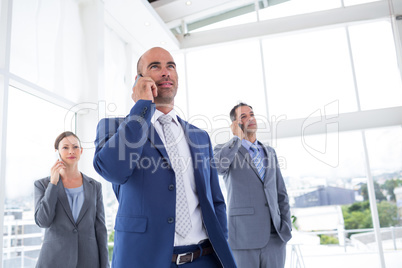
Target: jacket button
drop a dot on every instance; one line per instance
(75, 230)
(170, 220)
(171, 187)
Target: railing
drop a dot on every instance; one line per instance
(362, 240)
(296, 258)
(387, 233)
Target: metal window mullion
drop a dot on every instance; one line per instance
(186, 85)
(264, 79)
(370, 182)
(5, 41)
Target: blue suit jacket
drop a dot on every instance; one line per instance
(130, 154)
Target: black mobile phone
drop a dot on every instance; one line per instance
(241, 126)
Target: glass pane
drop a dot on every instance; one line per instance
(117, 90)
(333, 159)
(46, 45)
(385, 151)
(377, 73)
(328, 201)
(295, 7)
(307, 71)
(243, 19)
(357, 2)
(33, 125)
(180, 100)
(320, 172)
(218, 78)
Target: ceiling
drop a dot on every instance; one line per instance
(167, 23)
(163, 22)
(195, 10)
(190, 15)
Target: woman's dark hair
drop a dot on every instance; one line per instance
(62, 136)
(233, 111)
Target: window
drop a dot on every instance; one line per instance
(46, 46)
(306, 71)
(33, 125)
(220, 77)
(377, 74)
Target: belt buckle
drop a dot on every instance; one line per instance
(178, 262)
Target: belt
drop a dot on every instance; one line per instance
(191, 256)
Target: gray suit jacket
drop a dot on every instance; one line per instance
(68, 243)
(252, 203)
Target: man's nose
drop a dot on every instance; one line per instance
(165, 72)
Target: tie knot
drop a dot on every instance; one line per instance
(254, 147)
(165, 119)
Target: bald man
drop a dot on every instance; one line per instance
(171, 209)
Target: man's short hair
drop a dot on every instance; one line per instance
(138, 65)
(233, 111)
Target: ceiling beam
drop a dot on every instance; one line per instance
(138, 23)
(327, 18)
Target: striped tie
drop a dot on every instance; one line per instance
(258, 161)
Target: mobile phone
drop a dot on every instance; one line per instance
(57, 155)
(136, 80)
(241, 127)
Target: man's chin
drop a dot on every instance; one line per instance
(251, 130)
(164, 100)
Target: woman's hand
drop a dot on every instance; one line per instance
(55, 172)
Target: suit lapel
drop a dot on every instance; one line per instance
(270, 165)
(249, 160)
(156, 142)
(89, 194)
(192, 141)
(62, 196)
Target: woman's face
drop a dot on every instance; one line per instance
(70, 150)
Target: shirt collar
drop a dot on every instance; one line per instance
(247, 144)
(158, 113)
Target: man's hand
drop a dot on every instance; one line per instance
(236, 130)
(144, 89)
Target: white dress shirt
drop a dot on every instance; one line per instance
(197, 232)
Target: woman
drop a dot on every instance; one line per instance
(69, 205)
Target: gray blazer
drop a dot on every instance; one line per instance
(252, 203)
(68, 243)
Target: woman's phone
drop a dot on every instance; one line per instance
(57, 155)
